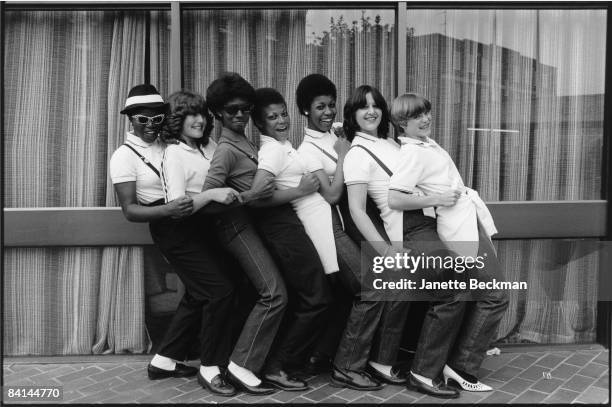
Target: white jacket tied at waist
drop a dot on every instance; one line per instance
(459, 223)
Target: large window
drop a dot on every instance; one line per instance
(277, 48)
(67, 74)
(517, 97)
(517, 100)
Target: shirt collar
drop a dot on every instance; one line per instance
(185, 147)
(366, 136)
(134, 139)
(424, 143)
(267, 139)
(314, 133)
(232, 135)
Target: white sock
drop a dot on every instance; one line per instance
(243, 374)
(385, 369)
(422, 378)
(209, 372)
(162, 362)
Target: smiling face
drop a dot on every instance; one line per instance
(235, 114)
(193, 128)
(419, 127)
(321, 113)
(148, 132)
(275, 121)
(368, 117)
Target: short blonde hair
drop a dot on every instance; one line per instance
(408, 106)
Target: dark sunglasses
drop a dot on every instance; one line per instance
(233, 109)
(146, 120)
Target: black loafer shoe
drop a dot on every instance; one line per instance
(180, 370)
(439, 389)
(217, 385)
(260, 390)
(354, 380)
(395, 377)
(283, 381)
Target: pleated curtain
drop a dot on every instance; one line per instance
(524, 72)
(67, 74)
(270, 48)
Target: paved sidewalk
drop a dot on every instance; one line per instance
(518, 376)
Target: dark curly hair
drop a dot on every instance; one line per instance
(228, 86)
(356, 101)
(310, 87)
(182, 104)
(265, 97)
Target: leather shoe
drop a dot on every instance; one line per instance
(439, 389)
(260, 390)
(217, 385)
(180, 370)
(395, 377)
(283, 381)
(354, 380)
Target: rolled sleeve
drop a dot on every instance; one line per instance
(407, 172)
(122, 167)
(272, 158)
(357, 167)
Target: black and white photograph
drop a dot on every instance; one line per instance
(348, 202)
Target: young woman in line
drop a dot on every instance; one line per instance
(423, 166)
(234, 164)
(316, 100)
(135, 172)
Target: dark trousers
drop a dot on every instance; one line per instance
(304, 276)
(207, 302)
(238, 236)
(360, 326)
(455, 331)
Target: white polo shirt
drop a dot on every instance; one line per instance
(287, 165)
(361, 168)
(311, 153)
(426, 165)
(184, 169)
(126, 166)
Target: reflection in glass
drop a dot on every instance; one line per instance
(518, 97)
(518, 103)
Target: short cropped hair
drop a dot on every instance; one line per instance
(356, 101)
(182, 104)
(228, 86)
(265, 97)
(310, 87)
(408, 106)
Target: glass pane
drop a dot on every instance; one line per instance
(67, 74)
(517, 97)
(277, 48)
(560, 303)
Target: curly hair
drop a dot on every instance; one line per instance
(356, 101)
(265, 97)
(310, 87)
(228, 86)
(182, 104)
(408, 106)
